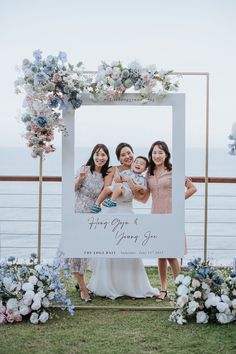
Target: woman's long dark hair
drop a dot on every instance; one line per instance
(91, 163)
(120, 147)
(163, 146)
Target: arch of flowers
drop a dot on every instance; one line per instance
(51, 84)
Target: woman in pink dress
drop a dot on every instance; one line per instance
(159, 180)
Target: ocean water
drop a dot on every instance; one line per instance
(19, 204)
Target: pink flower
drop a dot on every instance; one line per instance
(2, 318)
(18, 318)
(10, 318)
(56, 78)
(2, 310)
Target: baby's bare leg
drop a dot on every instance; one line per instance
(103, 195)
(117, 191)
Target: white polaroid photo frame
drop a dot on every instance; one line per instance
(126, 235)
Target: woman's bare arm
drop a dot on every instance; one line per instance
(190, 188)
(140, 192)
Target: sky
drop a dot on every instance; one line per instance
(183, 35)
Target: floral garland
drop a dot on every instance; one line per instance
(29, 290)
(204, 295)
(52, 83)
(232, 136)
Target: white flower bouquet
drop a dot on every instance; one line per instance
(203, 295)
(29, 289)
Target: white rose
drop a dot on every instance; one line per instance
(12, 304)
(33, 279)
(197, 294)
(182, 290)
(187, 280)
(24, 310)
(36, 305)
(179, 279)
(202, 317)
(234, 303)
(195, 283)
(34, 318)
(37, 297)
(222, 318)
(108, 70)
(45, 302)
(27, 286)
(44, 317)
(51, 295)
(206, 287)
(182, 300)
(28, 297)
(40, 284)
(38, 267)
(234, 292)
(212, 300)
(222, 306)
(7, 282)
(180, 320)
(192, 306)
(225, 298)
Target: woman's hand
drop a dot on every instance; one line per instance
(80, 179)
(190, 188)
(117, 179)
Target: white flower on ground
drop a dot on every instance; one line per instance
(28, 297)
(33, 279)
(222, 306)
(45, 302)
(182, 300)
(197, 294)
(43, 317)
(24, 310)
(202, 317)
(51, 295)
(12, 304)
(223, 318)
(195, 283)
(192, 306)
(206, 287)
(36, 305)
(234, 292)
(233, 303)
(7, 282)
(212, 300)
(187, 280)
(27, 286)
(40, 284)
(180, 320)
(182, 290)
(179, 279)
(226, 299)
(34, 318)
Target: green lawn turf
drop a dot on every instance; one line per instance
(113, 331)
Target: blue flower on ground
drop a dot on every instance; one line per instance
(41, 121)
(217, 280)
(204, 272)
(125, 74)
(11, 259)
(76, 102)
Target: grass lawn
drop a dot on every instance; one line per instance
(114, 331)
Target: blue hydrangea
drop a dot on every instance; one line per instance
(26, 117)
(125, 74)
(41, 121)
(54, 102)
(62, 56)
(37, 54)
(11, 259)
(41, 77)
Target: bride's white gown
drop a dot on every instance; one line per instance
(115, 277)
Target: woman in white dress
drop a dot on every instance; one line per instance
(115, 277)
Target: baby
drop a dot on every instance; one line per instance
(121, 187)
